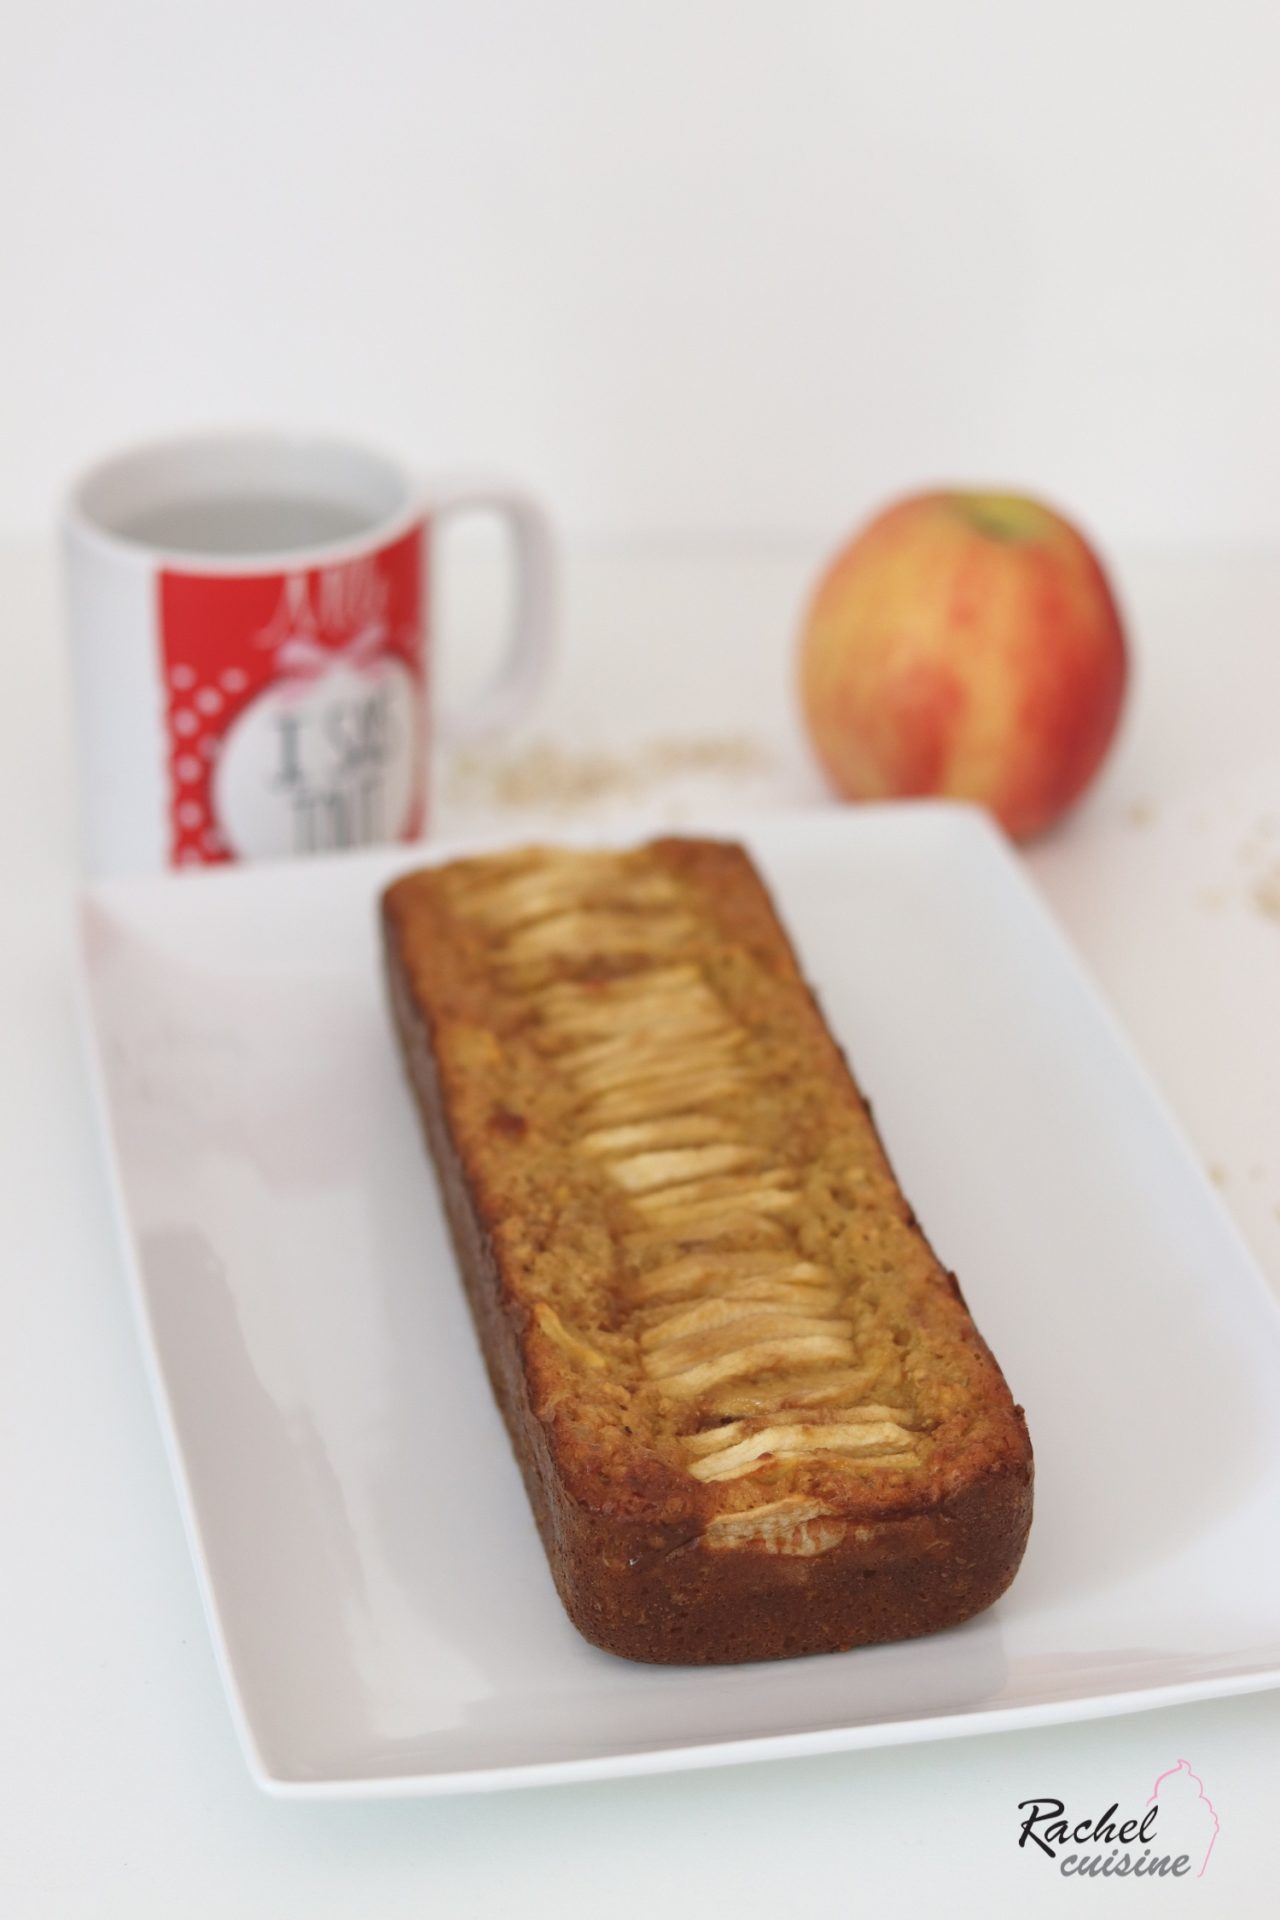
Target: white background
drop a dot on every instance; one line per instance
(691, 267)
(719, 276)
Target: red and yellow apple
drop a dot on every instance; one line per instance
(965, 644)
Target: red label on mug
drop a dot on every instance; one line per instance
(294, 706)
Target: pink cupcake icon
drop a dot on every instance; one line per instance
(1188, 1820)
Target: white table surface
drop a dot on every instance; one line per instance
(121, 1788)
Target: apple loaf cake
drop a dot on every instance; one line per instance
(753, 1414)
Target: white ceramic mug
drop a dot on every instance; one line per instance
(250, 649)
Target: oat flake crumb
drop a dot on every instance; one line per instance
(546, 775)
(1266, 893)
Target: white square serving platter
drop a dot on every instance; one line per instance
(378, 1596)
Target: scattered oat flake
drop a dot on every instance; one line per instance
(1141, 813)
(546, 775)
(1266, 893)
(1218, 1174)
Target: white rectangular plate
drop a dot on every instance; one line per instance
(380, 1602)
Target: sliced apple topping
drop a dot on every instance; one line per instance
(711, 1229)
(698, 1273)
(740, 1327)
(610, 1013)
(795, 1525)
(554, 882)
(689, 1217)
(733, 1320)
(710, 1317)
(671, 1130)
(669, 1092)
(640, 1060)
(755, 1294)
(672, 1035)
(583, 932)
(794, 1350)
(682, 1170)
(570, 1000)
(825, 1391)
(729, 1432)
(650, 1052)
(758, 1190)
(858, 1440)
(571, 1343)
(736, 1298)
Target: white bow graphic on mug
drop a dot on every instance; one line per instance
(305, 659)
(352, 592)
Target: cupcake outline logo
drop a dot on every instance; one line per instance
(1171, 1834)
(1183, 1772)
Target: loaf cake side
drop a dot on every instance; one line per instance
(753, 1414)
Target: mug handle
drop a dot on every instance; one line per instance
(527, 655)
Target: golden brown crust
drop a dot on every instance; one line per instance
(752, 1411)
